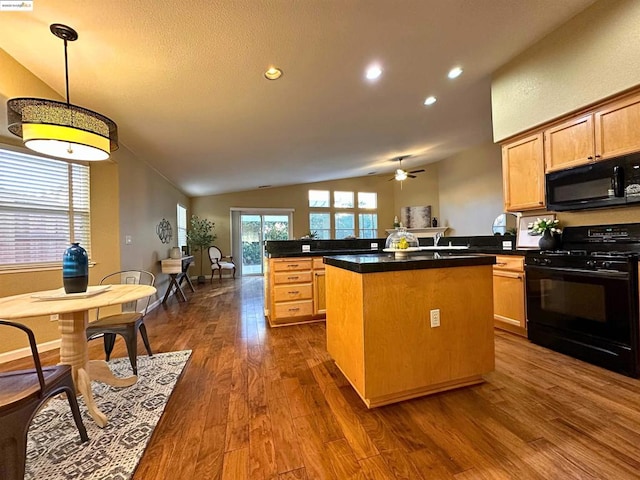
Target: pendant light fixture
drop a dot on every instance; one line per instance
(62, 129)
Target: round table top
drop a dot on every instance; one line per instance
(51, 302)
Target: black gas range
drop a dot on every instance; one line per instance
(583, 300)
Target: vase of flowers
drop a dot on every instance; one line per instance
(549, 231)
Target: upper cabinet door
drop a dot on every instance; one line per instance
(617, 128)
(569, 144)
(523, 174)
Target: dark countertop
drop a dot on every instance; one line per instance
(322, 253)
(360, 251)
(388, 262)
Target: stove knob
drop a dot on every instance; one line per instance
(591, 263)
(606, 265)
(545, 261)
(535, 261)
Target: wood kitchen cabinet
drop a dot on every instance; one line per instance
(611, 130)
(509, 311)
(293, 292)
(523, 173)
(569, 144)
(319, 290)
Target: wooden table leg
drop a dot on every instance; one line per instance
(186, 276)
(175, 283)
(74, 352)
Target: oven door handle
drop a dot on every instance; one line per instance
(579, 271)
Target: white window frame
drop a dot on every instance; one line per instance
(181, 225)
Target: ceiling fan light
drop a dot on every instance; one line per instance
(401, 175)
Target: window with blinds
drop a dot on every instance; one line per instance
(44, 206)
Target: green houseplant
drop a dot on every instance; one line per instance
(200, 236)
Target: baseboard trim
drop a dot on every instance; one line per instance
(26, 351)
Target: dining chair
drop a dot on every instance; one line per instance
(22, 393)
(217, 262)
(129, 321)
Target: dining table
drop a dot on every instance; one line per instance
(73, 311)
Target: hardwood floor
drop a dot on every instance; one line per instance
(260, 403)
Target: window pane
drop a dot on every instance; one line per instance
(276, 227)
(342, 200)
(44, 206)
(181, 222)
(367, 200)
(319, 198)
(320, 224)
(368, 223)
(345, 225)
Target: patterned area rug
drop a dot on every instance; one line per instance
(54, 450)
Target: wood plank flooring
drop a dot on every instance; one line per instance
(259, 403)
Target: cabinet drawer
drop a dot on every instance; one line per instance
(303, 308)
(286, 293)
(509, 262)
(318, 264)
(292, 277)
(291, 264)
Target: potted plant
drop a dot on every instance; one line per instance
(549, 230)
(200, 236)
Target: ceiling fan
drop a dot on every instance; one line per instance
(402, 174)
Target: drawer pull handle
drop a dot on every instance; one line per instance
(294, 309)
(293, 292)
(293, 278)
(501, 263)
(292, 265)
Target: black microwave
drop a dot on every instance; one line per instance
(607, 183)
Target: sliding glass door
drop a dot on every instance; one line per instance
(254, 227)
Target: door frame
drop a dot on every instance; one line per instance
(236, 236)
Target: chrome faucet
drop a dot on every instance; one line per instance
(436, 238)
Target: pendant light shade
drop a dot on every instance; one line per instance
(62, 129)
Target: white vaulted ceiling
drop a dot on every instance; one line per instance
(184, 80)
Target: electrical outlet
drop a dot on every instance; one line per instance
(128, 240)
(435, 318)
(374, 246)
(54, 317)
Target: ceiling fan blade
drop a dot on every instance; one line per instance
(417, 171)
(411, 176)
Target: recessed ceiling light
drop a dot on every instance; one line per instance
(455, 72)
(273, 73)
(373, 72)
(430, 100)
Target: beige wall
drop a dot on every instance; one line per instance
(471, 190)
(145, 199)
(593, 56)
(418, 192)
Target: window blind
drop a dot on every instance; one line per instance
(44, 206)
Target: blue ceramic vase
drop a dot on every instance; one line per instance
(75, 269)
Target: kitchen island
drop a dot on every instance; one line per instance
(401, 327)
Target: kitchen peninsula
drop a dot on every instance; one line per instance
(407, 326)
